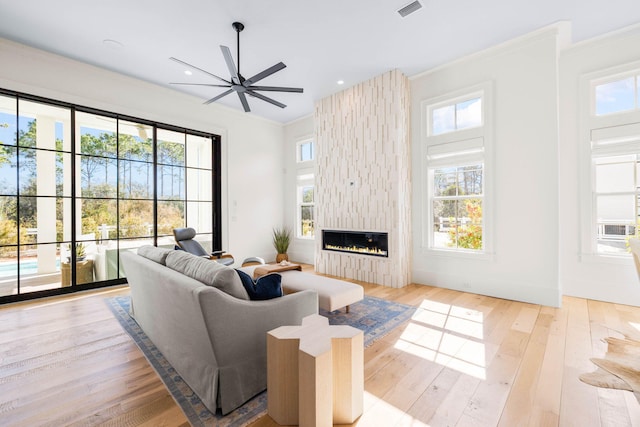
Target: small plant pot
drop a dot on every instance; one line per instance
(282, 257)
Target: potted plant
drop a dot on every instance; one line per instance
(281, 240)
(81, 253)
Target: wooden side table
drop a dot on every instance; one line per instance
(315, 373)
(274, 268)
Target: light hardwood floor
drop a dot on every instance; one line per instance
(463, 360)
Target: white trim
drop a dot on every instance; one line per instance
(453, 253)
(621, 259)
(515, 44)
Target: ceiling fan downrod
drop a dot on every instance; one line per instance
(238, 26)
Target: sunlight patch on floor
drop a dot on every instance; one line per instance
(635, 326)
(448, 335)
(377, 412)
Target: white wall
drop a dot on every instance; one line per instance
(301, 250)
(581, 274)
(251, 147)
(522, 168)
(536, 255)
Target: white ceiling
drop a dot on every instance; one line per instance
(321, 42)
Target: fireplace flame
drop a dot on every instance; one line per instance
(356, 249)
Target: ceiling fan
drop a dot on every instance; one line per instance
(237, 83)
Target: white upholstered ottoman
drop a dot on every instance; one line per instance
(333, 294)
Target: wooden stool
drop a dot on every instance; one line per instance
(315, 373)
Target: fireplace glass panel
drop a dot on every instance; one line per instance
(358, 242)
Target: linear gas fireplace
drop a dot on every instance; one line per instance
(357, 242)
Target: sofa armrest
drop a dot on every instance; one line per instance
(238, 328)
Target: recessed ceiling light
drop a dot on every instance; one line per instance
(187, 72)
(340, 82)
(112, 44)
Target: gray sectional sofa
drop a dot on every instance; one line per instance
(212, 335)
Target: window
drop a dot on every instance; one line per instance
(456, 139)
(615, 190)
(617, 96)
(306, 206)
(305, 151)
(305, 189)
(616, 199)
(72, 177)
(456, 116)
(611, 168)
(457, 207)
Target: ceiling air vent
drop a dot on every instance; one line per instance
(410, 8)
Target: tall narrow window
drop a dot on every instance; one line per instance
(306, 206)
(613, 169)
(305, 189)
(455, 144)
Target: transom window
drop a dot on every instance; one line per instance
(617, 96)
(306, 152)
(460, 115)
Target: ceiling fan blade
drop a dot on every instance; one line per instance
(264, 98)
(215, 98)
(245, 103)
(277, 89)
(199, 69)
(198, 84)
(230, 65)
(261, 75)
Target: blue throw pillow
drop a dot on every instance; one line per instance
(265, 287)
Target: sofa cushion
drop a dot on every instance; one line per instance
(265, 287)
(208, 272)
(154, 253)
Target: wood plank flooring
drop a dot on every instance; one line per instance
(463, 360)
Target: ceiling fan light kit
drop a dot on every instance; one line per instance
(237, 83)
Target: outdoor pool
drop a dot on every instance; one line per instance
(8, 269)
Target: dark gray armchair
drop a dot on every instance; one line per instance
(185, 240)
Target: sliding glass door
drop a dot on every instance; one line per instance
(78, 186)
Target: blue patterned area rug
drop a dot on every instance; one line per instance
(374, 316)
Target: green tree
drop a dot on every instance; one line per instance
(6, 153)
(469, 235)
(169, 153)
(97, 152)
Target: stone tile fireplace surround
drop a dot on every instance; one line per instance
(363, 177)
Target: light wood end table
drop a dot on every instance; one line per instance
(315, 373)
